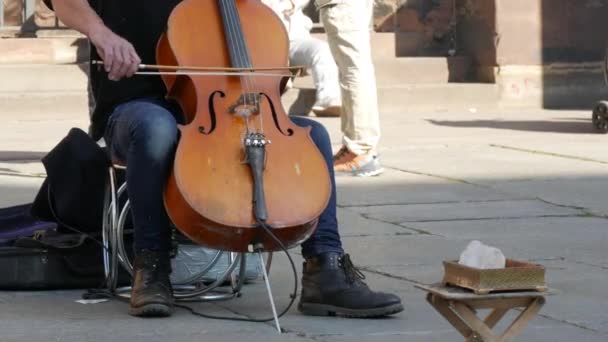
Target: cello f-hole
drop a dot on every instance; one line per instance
(212, 117)
(275, 118)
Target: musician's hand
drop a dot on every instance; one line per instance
(119, 57)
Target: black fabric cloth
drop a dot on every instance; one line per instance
(72, 194)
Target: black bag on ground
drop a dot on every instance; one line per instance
(35, 256)
(73, 192)
(16, 222)
(51, 260)
(71, 198)
(48, 260)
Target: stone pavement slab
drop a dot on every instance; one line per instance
(398, 187)
(473, 210)
(484, 164)
(353, 224)
(579, 191)
(539, 331)
(18, 190)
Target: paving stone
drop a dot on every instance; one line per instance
(18, 190)
(464, 211)
(587, 192)
(353, 224)
(484, 164)
(408, 250)
(580, 290)
(396, 187)
(533, 333)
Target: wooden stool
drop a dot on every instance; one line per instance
(458, 306)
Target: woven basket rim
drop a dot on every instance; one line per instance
(525, 265)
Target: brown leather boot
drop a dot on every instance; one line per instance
(151, 295)
(332, 285)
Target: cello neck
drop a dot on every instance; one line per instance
(233, 32)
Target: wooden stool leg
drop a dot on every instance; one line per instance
(477, 325)
(443, 307)
(494, 317)
(522, 320)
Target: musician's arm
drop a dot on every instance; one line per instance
(119, 57)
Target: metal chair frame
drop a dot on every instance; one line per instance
(114, 219)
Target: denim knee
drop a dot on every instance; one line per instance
(156, 137)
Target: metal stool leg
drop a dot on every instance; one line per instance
(110, 220)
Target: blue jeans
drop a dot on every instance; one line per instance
(143, 133)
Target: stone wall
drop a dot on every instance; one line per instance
(422, 27)
(12, 12)
(43, 17)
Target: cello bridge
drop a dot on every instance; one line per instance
(247, 104)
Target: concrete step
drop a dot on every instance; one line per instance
(297, 101)
(36, 106)
(34, 78)
(15, 78)
(47, 50)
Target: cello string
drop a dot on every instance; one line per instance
(233, 42)
(245, 59)
(250, 85)
(229, 28)
(251, 80)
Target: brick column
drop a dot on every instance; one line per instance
(424, 27)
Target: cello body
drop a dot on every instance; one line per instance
(209, 193)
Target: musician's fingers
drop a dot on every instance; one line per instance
(132, 69)
(108, 58)
(135, 61)
(117, 64)
(134, 55)
(126, 62)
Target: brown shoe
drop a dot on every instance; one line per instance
(151, 295)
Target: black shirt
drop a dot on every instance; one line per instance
(141, 22)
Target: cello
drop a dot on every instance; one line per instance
(241, 164)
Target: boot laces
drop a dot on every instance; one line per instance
(353, 274)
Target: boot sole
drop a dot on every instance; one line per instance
(151, 310)
(330, 310)
(364, 173)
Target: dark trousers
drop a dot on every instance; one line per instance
(143, 133)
